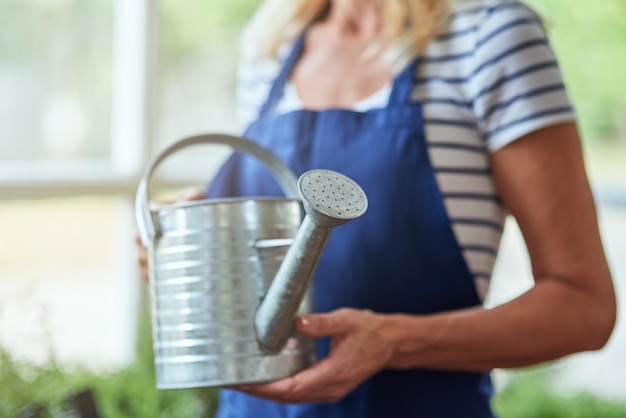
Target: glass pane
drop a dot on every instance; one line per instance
(197, 55)
(68, 280)
(55, 77)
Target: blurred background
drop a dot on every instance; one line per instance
(91, 89)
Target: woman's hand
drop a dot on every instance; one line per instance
(142, 257)
(359, 349)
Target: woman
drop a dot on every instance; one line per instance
(449, 115)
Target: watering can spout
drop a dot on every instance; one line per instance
(330, 199)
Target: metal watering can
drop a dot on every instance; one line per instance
(228, 276)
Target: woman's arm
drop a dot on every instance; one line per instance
(542, 181)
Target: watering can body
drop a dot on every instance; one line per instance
(227, 276)
(208, 280)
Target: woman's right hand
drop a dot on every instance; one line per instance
(188, 194)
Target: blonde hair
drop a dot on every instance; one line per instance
(411, 24)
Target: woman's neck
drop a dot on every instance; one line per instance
(355, 17)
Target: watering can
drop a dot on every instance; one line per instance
(228, 276)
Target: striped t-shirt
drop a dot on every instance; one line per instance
(489, 79)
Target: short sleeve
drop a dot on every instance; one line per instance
(255, 77)
(515, 84)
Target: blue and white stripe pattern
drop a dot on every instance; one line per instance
(490, 79)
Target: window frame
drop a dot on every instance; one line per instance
(133, 76)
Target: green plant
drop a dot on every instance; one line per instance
(132, 392)
(589, 39)
(127, 393)
(530, 396)
(23, 384)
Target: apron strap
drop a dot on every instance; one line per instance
(403, 84)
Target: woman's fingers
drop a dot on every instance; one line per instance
(358, 351)
(325, 325)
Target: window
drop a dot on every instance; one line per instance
(89, 90)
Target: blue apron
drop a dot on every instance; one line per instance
(400, 257)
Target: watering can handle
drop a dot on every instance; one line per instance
(146, 221)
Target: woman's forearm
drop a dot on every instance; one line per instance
(551, 320)
(542, 182)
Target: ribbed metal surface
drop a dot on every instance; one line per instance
(330, 199)
(207, 279)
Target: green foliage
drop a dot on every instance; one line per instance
(131, 393)
(24, 384)
(127, 393)
(531, 397)
(191, 25)
(590, 42)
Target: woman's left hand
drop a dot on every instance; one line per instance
(359, 349)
